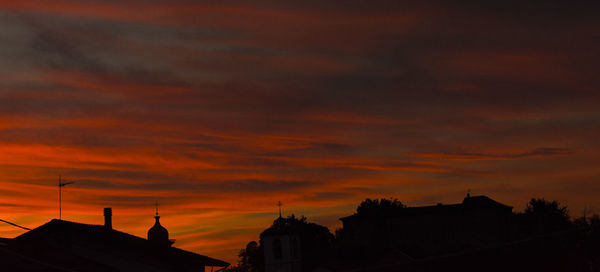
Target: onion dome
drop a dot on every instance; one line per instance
(158, 235)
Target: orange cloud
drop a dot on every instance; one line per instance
(218, 111)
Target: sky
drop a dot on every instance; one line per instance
(220, 109)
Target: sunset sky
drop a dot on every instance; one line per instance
(219, 109)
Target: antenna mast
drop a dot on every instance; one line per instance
(59, 198)
(60, 185)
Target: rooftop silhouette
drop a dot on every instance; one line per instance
(476, 234)
(69, 246)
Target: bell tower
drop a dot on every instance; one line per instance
(281, 247)
(158, 235)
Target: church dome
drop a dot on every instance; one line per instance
(158, 234)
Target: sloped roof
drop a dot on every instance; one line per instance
(131, 246)
(45, 259)
(483, 202)
(478, 203)
(13, 261)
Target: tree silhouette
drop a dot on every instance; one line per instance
(545, 216)
(251, 258)
(379, 207)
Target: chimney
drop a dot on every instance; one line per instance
(108, 218)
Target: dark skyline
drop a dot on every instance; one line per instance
(220, 109)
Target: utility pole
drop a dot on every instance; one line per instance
(60, 185)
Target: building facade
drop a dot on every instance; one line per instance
(477, 221)
(281, 248)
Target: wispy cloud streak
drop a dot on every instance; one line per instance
(219, 110)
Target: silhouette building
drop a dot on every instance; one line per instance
(425, 230)
(61, 245)
(281, 248)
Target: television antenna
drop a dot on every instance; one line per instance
(60, 185)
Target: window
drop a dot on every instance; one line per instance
(276, 249)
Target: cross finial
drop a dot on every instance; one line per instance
(156, 208)
(279, 204)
